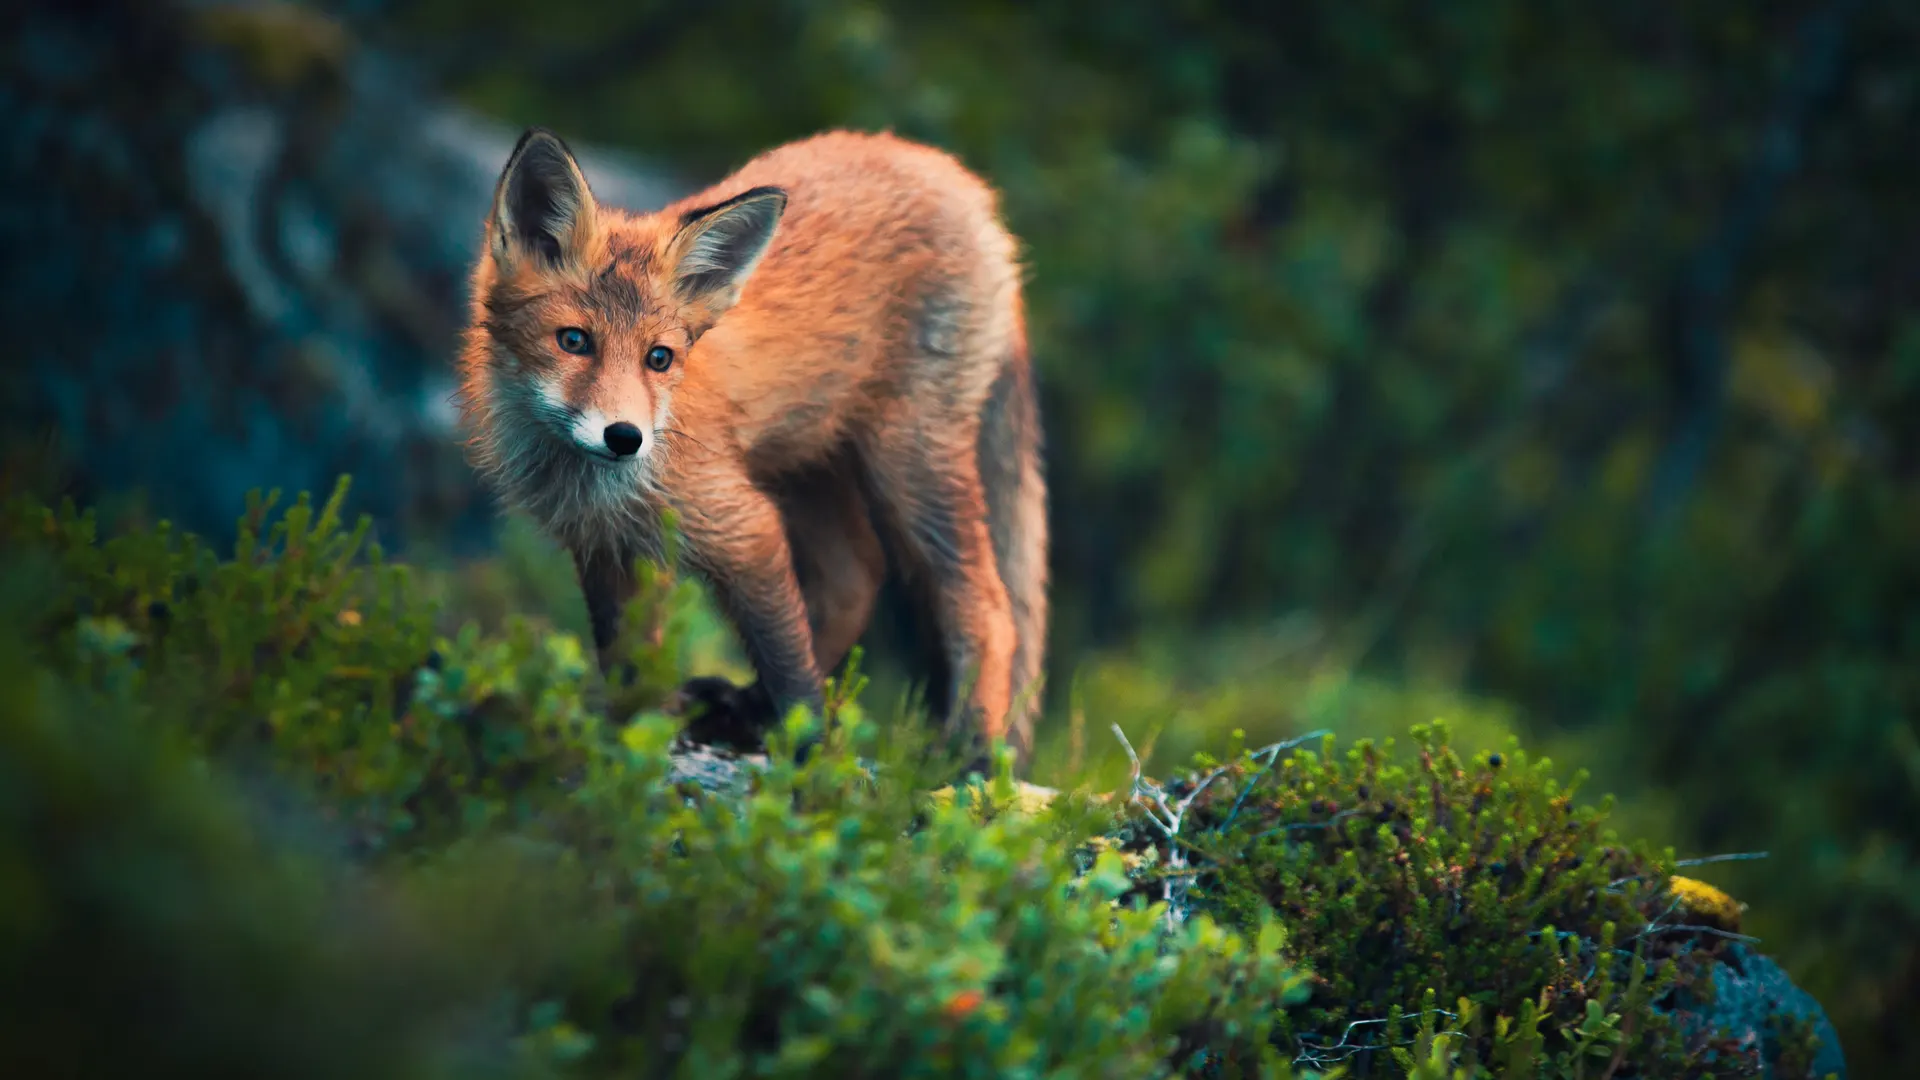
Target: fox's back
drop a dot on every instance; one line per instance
(889, 267)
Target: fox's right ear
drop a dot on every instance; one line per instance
(541, 204)
(718, 246)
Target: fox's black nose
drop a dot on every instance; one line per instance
(623, 439)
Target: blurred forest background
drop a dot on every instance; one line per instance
(1548, 366)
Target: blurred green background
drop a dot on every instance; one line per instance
(1546, 366)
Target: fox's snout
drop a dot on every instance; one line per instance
(599, 434)
(599, 431)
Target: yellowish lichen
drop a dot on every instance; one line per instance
(1027, 798)
(1707, 905)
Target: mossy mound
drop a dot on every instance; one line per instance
(1470, 912)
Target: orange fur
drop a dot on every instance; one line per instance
(848, 359)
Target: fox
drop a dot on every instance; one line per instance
(819, 365)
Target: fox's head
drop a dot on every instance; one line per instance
(585, 317)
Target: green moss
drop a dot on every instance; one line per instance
(1468, 904)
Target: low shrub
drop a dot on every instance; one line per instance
(1460, 911)
(261, 815)
(259, 782)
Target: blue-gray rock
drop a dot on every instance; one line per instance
(1749, 991)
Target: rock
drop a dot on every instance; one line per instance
(1750, 993)
(712, 770)
(245, 242)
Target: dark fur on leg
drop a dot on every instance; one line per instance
(718, 713)
(607, 584)
(737, 717)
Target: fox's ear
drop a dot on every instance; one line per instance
(541, 205)
(718, 246)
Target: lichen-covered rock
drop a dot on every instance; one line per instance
(1757, 1004)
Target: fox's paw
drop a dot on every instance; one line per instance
(720, 713)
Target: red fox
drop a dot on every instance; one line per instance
(816, 363)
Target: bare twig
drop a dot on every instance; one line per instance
(1273, 753)
(1302, 826)
(1657, 926)
(1152, 798)
(1318, 1054)
(1689, 928)
(1737, 856)
(1701, 860)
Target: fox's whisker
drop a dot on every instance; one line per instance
(676, 433)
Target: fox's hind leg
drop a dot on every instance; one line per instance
(1011, 474)
(926, 483)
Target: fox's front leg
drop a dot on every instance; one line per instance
(607, 583)
(735, 535)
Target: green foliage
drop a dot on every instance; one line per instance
(253, 784)
(1454, 912)
(530, 578)
(157, 919)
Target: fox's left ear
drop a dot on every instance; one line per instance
(718, 246)
(541, 204)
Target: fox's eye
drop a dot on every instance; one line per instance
(574, 340)
(659, 358)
